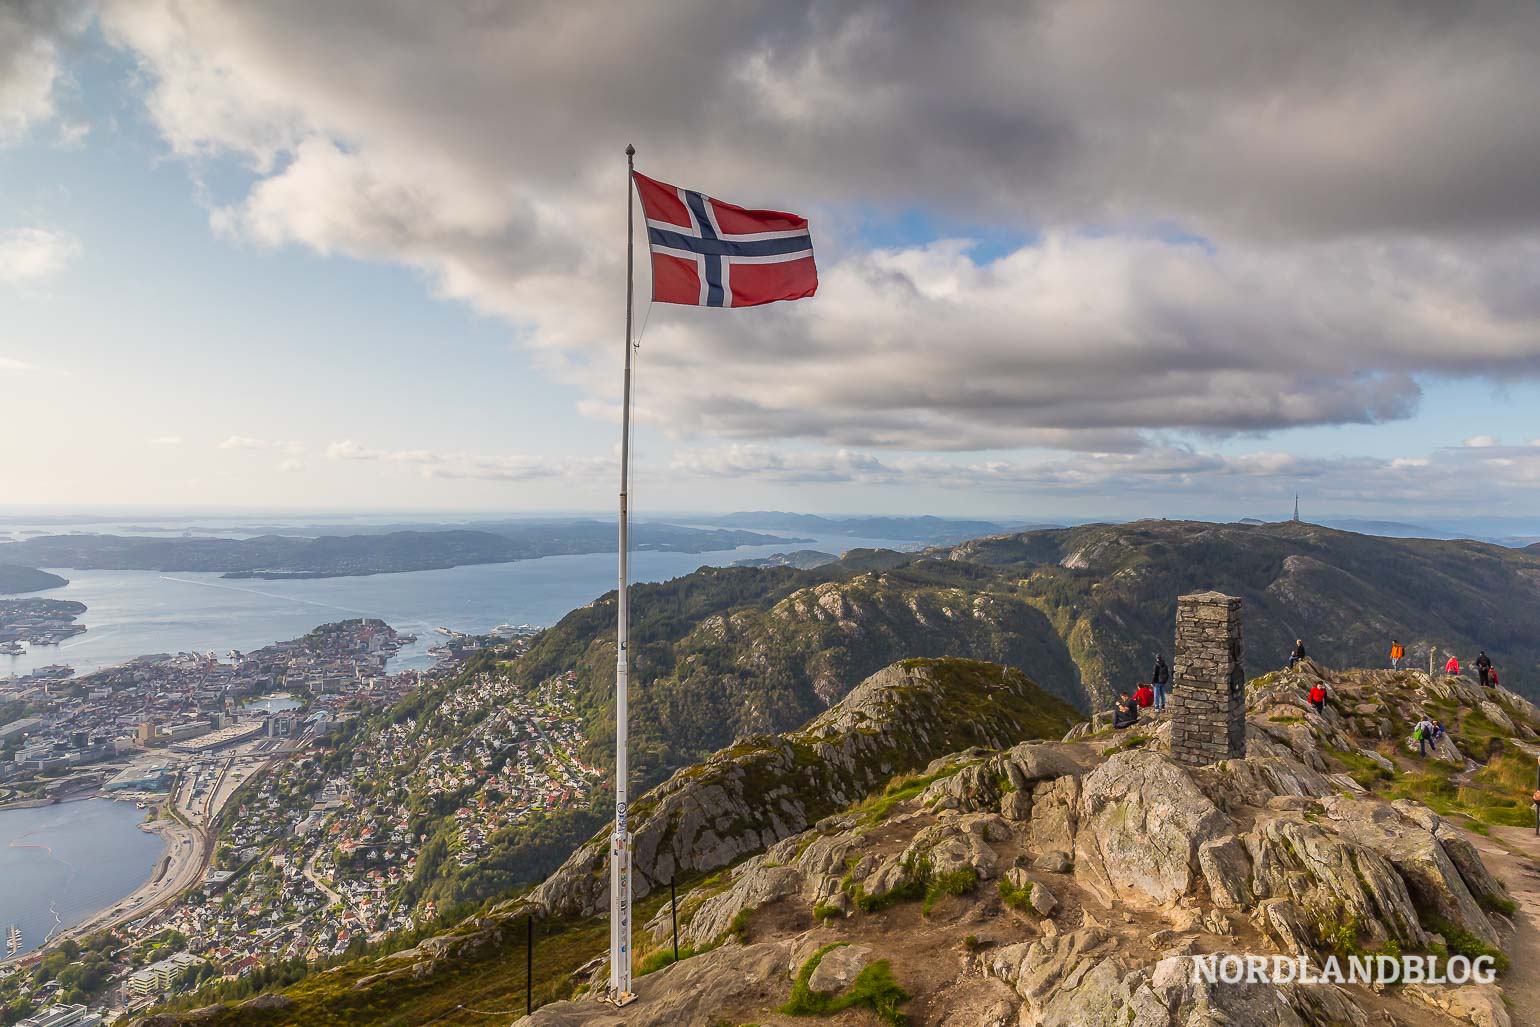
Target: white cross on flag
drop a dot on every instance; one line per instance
(707, 253)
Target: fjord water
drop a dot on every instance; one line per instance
(99, 855)
(132, 613)
(60, 864)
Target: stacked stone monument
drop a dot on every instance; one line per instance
(1208, 697)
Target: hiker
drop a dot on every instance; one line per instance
(1127, 713)
(1144, 696)
(1484, 666)
(1492, 677)
(1453, 665)
(1423, 732)
(1438, 732)
(1298, 655)
(1318, 698)
(1160, 679)
(1397, 654)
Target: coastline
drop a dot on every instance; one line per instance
(180, 864)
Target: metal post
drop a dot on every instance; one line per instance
(529, 964)
(673, 905)
(620, 840)
(1537, 796)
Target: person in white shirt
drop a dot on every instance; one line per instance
(1423, 732)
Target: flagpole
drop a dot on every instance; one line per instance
(620, 840)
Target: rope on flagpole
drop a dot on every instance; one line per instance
(643, 331)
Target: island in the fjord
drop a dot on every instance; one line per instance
(325, 556)
(38, 622)
(801, 559)
(16, 579)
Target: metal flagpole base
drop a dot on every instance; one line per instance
(620, 992)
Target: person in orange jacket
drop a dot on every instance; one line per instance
(1397, 654)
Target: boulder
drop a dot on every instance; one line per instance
(838, 968)
(1480, 1005)
(755, 884)
(1055, 806)
(1054, 861)
(1497, 715)
(1141, 821)
(1330, 881)
(1227, 869)
(1041, 899)
(1417, 855)
(1192, 1000)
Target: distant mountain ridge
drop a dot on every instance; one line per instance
(935, 530)
(280, 556)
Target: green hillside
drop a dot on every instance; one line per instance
(728, 652)
(1111, 591)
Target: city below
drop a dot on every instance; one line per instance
(272, 850)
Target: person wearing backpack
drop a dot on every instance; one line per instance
(1423, 733)
(1484, 666)
(1160, 679)
(1397, 654)
(1318, 698)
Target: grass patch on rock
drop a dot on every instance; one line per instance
(874, 988)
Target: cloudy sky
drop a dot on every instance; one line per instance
(1077, 259)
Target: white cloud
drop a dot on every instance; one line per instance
(247, 442)
(431, 464)
(1480, 442)
(8, 364)
(30, 31)
(291, 466)
(33, 254)
(1331, 271)
(1163, 473)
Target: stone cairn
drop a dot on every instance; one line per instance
(1208, 697)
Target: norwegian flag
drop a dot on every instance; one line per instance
(706, 253)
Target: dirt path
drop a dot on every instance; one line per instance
(1513, 856)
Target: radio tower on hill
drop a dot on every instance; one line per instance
(1296, 508)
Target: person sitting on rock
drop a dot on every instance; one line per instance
(1423, 733)
(1318, 698)
(1298, 655)
(1127, 713)
(1452, 666)
(1438, 732)
(1144, 696)
(1484, 666)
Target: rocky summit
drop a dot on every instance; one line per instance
(1078, 883)
(945, 845)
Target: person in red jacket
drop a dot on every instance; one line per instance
(1144, 695)
(1318, 698)
(1453, 666)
